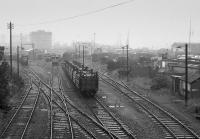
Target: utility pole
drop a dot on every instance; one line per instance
(123, 51)
(94, 40)
(79, 47)
(33, 46)
(83, 55)
(10, 27)
(127, 46)
(74, 46)
(186, 74)
(93, 49)
(76, 49)
(18, 61)
(21, 40)
(127, 63)
(189, 39)
(186, 63)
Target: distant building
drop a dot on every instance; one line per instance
(98, 51)
(2, 39)
(193, 48)
(41, 39)
(178, 84)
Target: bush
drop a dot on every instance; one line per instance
(4, 82)
(159, 82)
(17, 80)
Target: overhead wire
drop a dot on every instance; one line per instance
(79, 15)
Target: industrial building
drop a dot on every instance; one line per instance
(41, 39)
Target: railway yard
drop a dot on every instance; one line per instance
(50, 107)
(111, 69)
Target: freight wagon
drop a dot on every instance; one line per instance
(83, 78)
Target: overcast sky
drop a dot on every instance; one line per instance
(151, 23)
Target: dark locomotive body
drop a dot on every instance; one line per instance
(24, 60)
(84, 79)
(55, 60)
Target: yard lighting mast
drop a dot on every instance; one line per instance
(10, 27)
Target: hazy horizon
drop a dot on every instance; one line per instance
(153, 23)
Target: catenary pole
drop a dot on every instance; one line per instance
(18, 61)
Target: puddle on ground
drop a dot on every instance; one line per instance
(104, 97)
(43, 110)
(27, 107)
(116, 106)
(20, 124)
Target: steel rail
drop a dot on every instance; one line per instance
(66, 108)
(155, 105)
(71, 116)
(11, 120)
(116, 120)
(66, 113)
(170, 115)
(51, 113)
(87, 116)
(174, 136)
(31, 115)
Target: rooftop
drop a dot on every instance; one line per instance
(192, 77)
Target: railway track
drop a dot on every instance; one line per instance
(172, 127)
(20, 121)
(106, 118)
(83, 126)
(58, 118)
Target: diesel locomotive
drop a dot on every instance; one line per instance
(24, 60)
(55, 60)
(83, 78)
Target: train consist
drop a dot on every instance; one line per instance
(55, 60)
(83, 78)
(24, 60)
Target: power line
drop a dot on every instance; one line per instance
(79, 15)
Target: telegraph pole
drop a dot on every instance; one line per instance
(94, 40)
(93, 49)
(33, 47)
(127, 63)
(83, 56)
(76, 51)
(79, 47)
(186, 74)
(127, 46)
(187, 46)
(18, 61)
(21, 40)
(123, 51)
(10, 27)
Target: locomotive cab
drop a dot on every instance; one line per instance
(89, 83)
